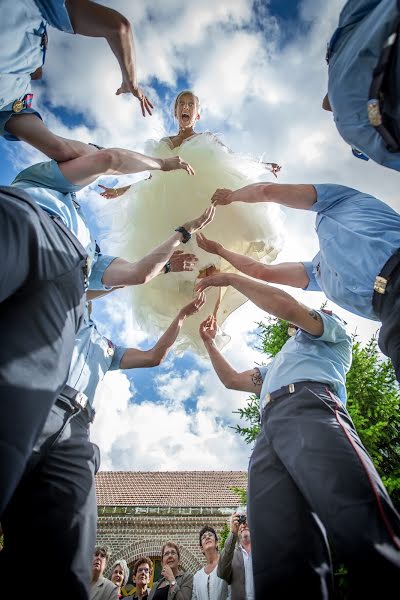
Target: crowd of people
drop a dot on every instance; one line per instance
(226, 574)
(313, 489)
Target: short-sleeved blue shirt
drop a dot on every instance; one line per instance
(48, 187)
(364, 26)
(93, 356)
(357, 234)
(304, 357)
(22, 25)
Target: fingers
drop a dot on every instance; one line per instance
(188, 168)
(146, 105)
(102, 186)
(220, 197)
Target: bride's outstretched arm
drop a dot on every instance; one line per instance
(123, 272)
(291, 195)
(134, 358)
(117, 161)
(293, 273)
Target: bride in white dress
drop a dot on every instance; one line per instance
(147, 212)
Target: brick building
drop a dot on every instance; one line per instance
(139, 511)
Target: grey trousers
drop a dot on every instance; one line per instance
(313, 489)
(41, 306)
(50, 521)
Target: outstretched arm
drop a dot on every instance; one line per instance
(247, 381)
(274, 301)
(123, 272)
(293, 274)
(117, 161)
(291, 195)
(134, 358)
(95, 20)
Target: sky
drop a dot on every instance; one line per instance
(259, 70)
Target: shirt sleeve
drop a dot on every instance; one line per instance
(119, 351)
(334, 329)
(313, 285)
(263, 371)
(329, 195)
(102, 261)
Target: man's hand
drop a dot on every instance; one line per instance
(194, 306)
(109, 192)
(128, 88)
(174, 163)
(208, 329)
(208, 245)
(201, 221)
(182, 261)
(235, 523)
(273, 167)
(167, 573)
(222, 197)
(218, 280)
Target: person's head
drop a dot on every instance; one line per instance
(208, 539)
(142, 571)
(100, 558)
(186, 109)
(170, 555)
(119, 573)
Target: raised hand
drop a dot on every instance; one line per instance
(217, 280)
(182, 261)
(208, 245)
(201, 221)
(273, 167)
(194, 306)
(108, 192)
(208, 329)
(221, 197)
(174, 163)
(128, 88)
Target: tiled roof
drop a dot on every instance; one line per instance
(169, 488)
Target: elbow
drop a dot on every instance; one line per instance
(231, 383)
(156, 357)
(119, 25)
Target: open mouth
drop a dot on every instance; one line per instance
(185, 117)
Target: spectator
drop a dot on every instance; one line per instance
(235, 565)
(119, 575)
(142, 572)
(206, 583)
(173, 583)
(101, 588)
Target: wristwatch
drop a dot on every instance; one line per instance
(185, 234)
(167, 266)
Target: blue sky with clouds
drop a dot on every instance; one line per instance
(260, 72)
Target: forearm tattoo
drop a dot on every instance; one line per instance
(256, 378)
(315, 315)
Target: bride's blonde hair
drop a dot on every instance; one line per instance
(186, 92)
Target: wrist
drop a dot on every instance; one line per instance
(185, 233)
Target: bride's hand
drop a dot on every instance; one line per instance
(182, 261)
(108, 192)
(201, 221)
(208, 245)
(174, 163)
(274, 168)
(129, 88)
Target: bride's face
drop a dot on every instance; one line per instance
(186, 111)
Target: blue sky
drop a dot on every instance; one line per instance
(259, 70)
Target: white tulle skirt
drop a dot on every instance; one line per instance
(150, 211)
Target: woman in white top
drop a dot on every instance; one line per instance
(206, 583)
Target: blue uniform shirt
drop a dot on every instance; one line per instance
(304, 357)
(354, 50)
(48, 187)
(92, 357)
(357, 235)
(22, 25)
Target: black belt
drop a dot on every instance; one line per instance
(290, 389)
(383, 280)
(72, 399)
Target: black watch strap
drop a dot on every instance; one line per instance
(186, 235)
(167, 267)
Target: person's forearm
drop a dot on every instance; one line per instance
(122, 272)
(293, 274)
(226, 374)
(127, 161)
(166, 341)
(272, 300)
(291, 195)
(122, 44)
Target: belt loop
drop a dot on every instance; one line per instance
(291, 388)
